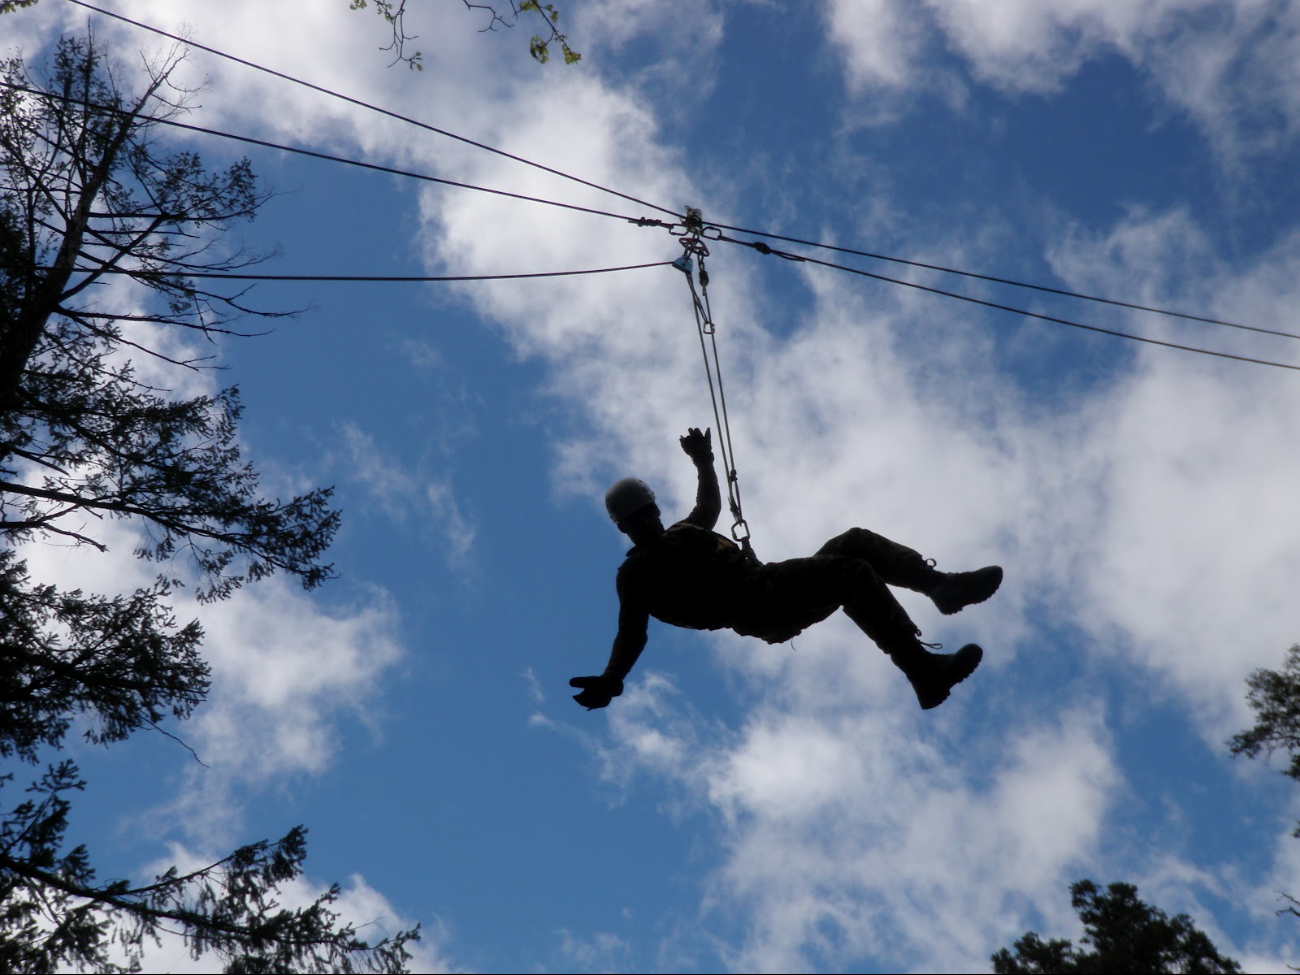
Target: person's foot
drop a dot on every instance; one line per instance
(956, 590)
(935, 675)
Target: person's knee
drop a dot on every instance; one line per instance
(853, 581)
(849, 544)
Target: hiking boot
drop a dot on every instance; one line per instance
(933, 675)
(954, 591)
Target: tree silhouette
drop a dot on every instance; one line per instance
(106, 234)
(1123, 935)
(1274, 695)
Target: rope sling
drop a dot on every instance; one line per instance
(695, 250)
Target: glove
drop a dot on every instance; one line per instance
(597, 692)
(698, 446)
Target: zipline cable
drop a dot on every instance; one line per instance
(373, 108)
(327, 157)
(644, 221)
(993, 279)
(803, 258)
(347, 278)
(653, 222)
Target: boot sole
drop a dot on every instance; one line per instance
(974, 596)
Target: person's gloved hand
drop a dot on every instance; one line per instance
(698, 446)
(597, 692)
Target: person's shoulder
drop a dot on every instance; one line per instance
(687, 526)
(633, 576)
(634, 562)
(690, 534)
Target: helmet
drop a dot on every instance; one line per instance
(627, 497)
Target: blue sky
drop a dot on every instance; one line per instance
(742, 806)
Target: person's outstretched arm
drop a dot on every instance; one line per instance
(633, 620)
(708, 499)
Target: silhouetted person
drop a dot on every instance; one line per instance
(689, 575)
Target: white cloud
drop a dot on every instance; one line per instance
(1023, 45)
(849, 822)
(402, 493)
(1105, 507)
(616, 22)
(602, 951)
(387, 482)
(1185, 565)
(847, 834)
(285, 666)
(1278, 944)
(1231, 65)
(880, 40)
(535, 693)
(458, 530)
(285, 669)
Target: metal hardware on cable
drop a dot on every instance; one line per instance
(694, 251)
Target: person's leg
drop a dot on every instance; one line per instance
(867, 601)
(809, 590)
(784, 597)
(896, 564)
(906, 568)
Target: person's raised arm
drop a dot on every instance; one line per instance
(708, 499)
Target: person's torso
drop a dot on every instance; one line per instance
(689, 577)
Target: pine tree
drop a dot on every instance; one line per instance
(105, 235)
(1123, 935)
(1274, 696)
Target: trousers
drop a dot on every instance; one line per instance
(853, 572)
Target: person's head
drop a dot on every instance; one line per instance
(631, 506)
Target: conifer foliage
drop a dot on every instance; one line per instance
(1123, 935)
(106, 229)
(1274, 696)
